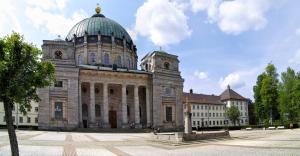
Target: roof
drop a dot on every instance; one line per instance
(230, 94)
(201, 98)
(98, 24)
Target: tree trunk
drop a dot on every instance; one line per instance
(10, 128)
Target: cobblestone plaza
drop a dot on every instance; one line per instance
(50, 143)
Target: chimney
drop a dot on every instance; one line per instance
(191, 91)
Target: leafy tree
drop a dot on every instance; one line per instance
(21, 74)
(289, 96)
(269, 93)
(259, 109)
(233, 114)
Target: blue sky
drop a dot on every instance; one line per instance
(218, 42)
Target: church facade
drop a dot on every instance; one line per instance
(98, 84)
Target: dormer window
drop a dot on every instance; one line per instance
(58, 54)
(167, 65)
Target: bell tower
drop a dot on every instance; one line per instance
(167, 89)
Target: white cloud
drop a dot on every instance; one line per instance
(48, 4)
(234, 17)
(201, 75)
(233, 79)
(43, 17)
(132, 33)
(296, 58)
(8, 18)
(163, 22)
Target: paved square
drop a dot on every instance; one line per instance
(252, 143)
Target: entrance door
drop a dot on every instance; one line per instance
(85, 116)
(113, 119)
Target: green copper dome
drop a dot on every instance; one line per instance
(96, 24)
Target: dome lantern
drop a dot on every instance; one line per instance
(98, 9)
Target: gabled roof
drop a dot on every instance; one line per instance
(201, 98)
(230, 94)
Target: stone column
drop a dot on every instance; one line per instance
(136, 106)
(148, 106)
(105, 105)
(124, 106)
(92, 102)
(80, 105)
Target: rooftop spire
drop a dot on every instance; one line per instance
(98, 9)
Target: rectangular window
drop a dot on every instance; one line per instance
(201, 114)
(198, 122)
(169, 114)
(58, 84)
(197, 106)
(21, 119)
(202, 107)
(197, 114)
(28, 119)
(36, 120)
(36, 109)
(194, 123)
(193, 106)
(193, 114)
(58, 110)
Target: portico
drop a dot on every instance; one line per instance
(114, 100)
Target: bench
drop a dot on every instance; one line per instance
(271, 128)
(280, 127)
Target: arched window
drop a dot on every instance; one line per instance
(97, 110)
(58, 54)
(167, 65)
(80, 59)
(129, 64)
(106, 59)
(118, 61)
(93, 59)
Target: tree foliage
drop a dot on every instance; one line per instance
(276, 99)
(233, 114)
(289, 96)
(266, 95)
(21, 74)
(259, 109)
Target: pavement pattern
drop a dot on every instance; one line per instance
(241, 143)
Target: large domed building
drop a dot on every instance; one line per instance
(98, 84)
